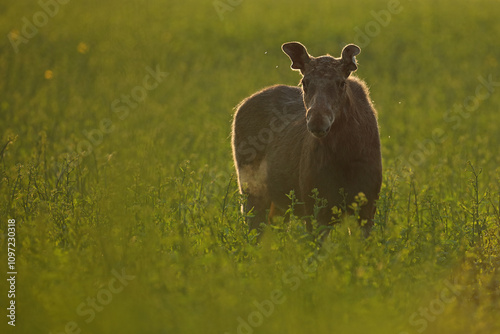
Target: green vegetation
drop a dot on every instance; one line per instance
(115, 162)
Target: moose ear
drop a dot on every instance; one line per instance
(349, 54)
(298, 55)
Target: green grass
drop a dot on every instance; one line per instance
(153, 192)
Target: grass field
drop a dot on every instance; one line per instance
(115, 163)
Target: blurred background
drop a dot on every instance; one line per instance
(115, 161)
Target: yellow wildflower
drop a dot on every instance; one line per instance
(48, 74)
(82, 48)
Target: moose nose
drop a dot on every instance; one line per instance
(318, 127)
(319, 133)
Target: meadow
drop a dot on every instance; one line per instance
(116, 166)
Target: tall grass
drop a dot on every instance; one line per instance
(148, 191)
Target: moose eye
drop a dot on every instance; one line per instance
(342, 84)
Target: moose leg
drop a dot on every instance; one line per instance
(274, 211)
(322, 218)
(258, 205)
(366, 218)
(252, 180)
(366, 180)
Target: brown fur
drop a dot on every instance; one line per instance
(325, 137)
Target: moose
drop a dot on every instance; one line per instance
(322, 135)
